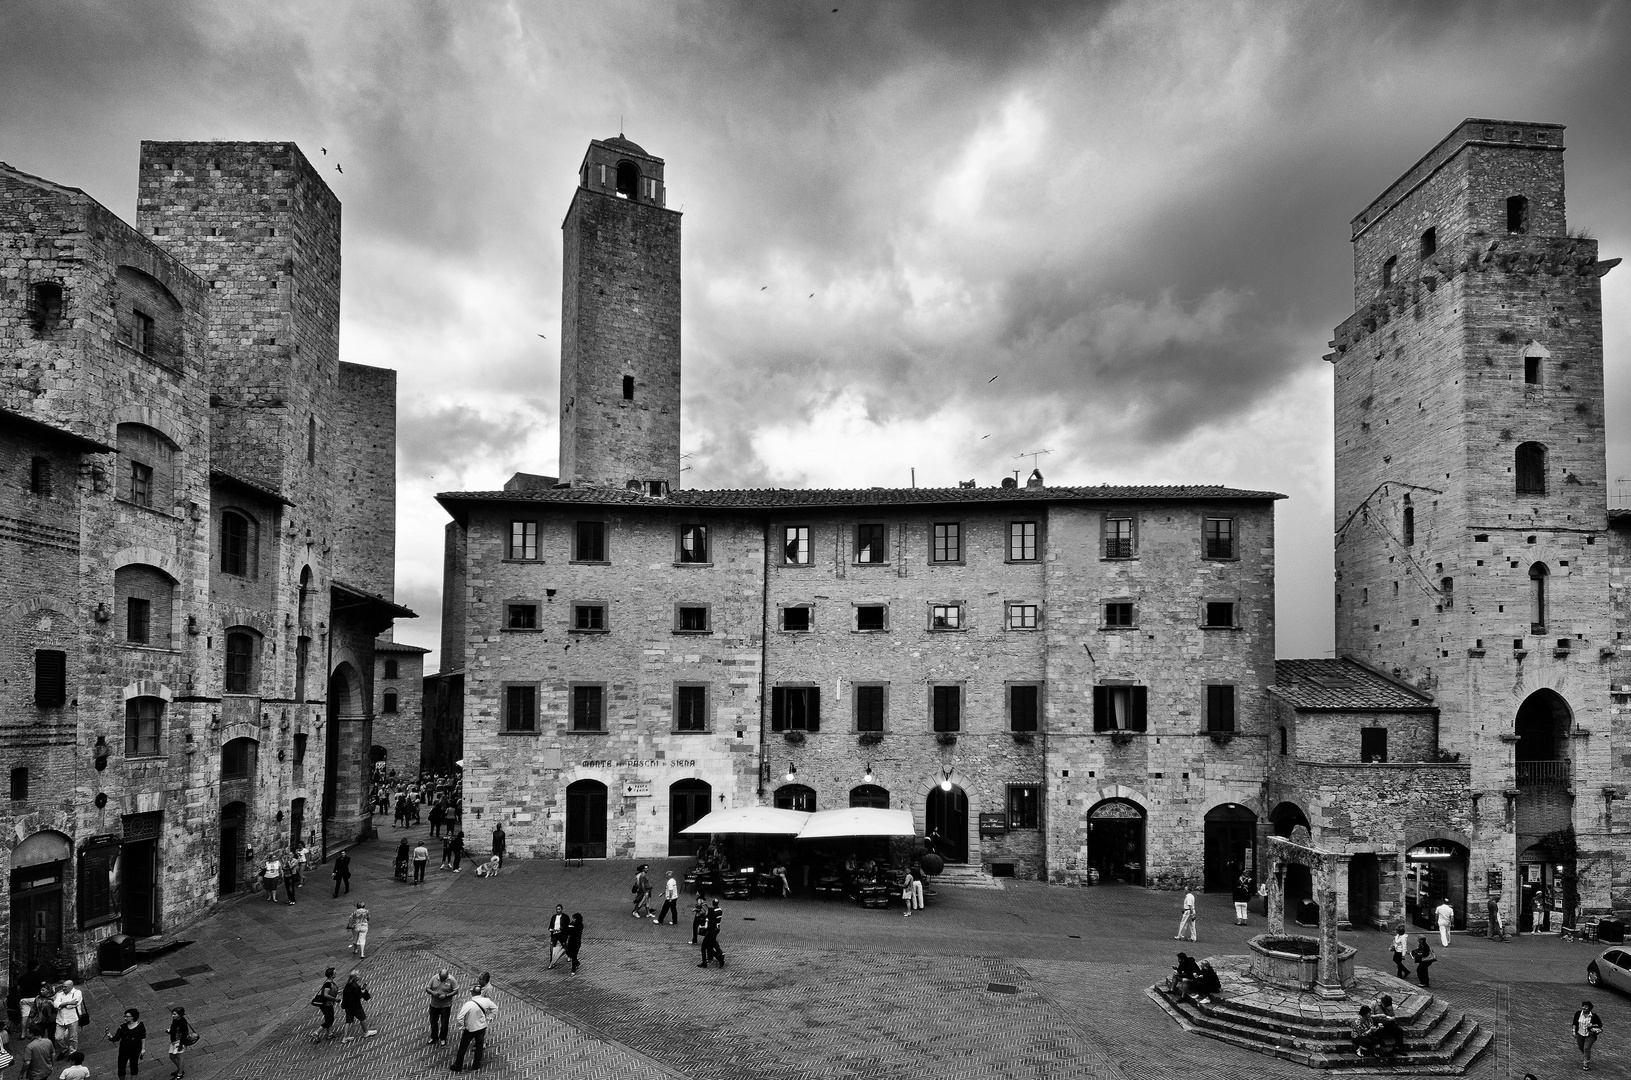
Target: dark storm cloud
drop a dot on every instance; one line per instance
(440, 441)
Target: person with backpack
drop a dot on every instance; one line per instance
(325, 998)
(182, 1036)
(342, 872)
(132, 1039)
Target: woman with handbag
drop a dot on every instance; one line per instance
(182, 1036)
(324, 999)
(351, 999)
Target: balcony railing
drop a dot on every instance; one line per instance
(1543, 774)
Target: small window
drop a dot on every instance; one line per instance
(945, 616)
(240, 665)
(300, 749)
(871, 544)
(797, 619)
(146, 467)
(1220, 708)
(1119, 613)
(1409, 525)
(235, 546)
(946, 707)
(1446, 592)
(657, 489)
(521, 616)
(692, 619)
(1517, 214)
(39, 476)
(141, 484)
(1218, 538)
(948, 542)
(1539, 578)
(694, 544)
(1388, 268)
(311, 439)
(1120, 708)
(795, 708)
(589, 542)
(691, 708)
(141, 332)
(1024, 806)
(795, 797)
(1022, 616)
(237, 759)
(19, 783)
(50, 678)
(1285, 740)
(521, 708)
(1529, 463)
(869, 707)
(1373, 744)
(389, 703)
(138, 620)
(1531, 370)
(1118, 537)
(871, 617)
(44, 305)
(1022, 541)
(796, 545)
(628, 388)
(390, 668)
(1429, 243)
(1024, 707)
(1220, 615)
(143, 716)
(588, 617)
(523, 540)
(628, 180)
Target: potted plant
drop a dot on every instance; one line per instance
(871, 738)
(946, 738)
(1024, 738)
(1121, 738)
(793, 736)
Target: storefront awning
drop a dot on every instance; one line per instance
(766, 820)
(858, 821)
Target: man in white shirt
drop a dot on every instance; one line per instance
(474, 1017)
(671, 900)
(1446, 920)
(1187, 920)
(68, 1001)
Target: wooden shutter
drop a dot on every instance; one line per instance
(1138, 709)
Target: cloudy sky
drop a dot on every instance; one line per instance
(1134, 215)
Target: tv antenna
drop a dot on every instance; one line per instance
(1034, 455)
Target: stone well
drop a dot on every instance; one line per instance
(1292, 961)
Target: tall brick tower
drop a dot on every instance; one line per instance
(620, 324)
(1473, 556)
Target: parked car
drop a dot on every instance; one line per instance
(1611, 968)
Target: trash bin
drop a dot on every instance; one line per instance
(1611, 930)
(117, 955)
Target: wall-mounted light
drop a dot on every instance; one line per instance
(792, 771)
(101, 799)
(868, 777)
(945, 780)
(102, 751)
(103, 612)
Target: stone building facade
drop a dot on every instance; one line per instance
(399, 706)
(191, 606)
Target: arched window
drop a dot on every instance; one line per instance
(149, 317)
(1529, 463)
(1409, 522)
(240, 666)
(869, 795)
(143, 601)
(390, 668)
(144, 726)
(390, 701)
(239, 544)
(146, 467)
(795, 797)
(628, 180)
(1517, 214)
(1387, 271)
(238, 759)
(1538, 578)
(1446, 592)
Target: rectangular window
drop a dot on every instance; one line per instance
(871, 543)
(39, 476)
(50, 678)
(1220, 708)
(945, 616)
(142, 332)
(97, 900)
(1120, 708)
(138, 620)
(1022, 541)
(19, 783)
(1218, 538)
(141, 484)
(521, 616)
(691, 708)
(948, 542)
(1220, 614)
(240, 664)
(796, 619)
(1373, 744)
(694, 544)
(869, 708)
(588, 708)
(1024, 707)
(142, 715)
(234, 544)
(390, 702)
(946, 707)
(523, 540)
(1022, 616)
(1531, 370)
(589, 542)
(300, 748)
(692, 619)
(795, 708)
(1024, 806)
(521, 708)
(1118, 537)
(796, 545)
(871, 617)
(235, 763)
(588, 617)
(1119, 613)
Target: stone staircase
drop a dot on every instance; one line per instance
(972, 877)
(1440, 1039)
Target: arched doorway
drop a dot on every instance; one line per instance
(869, 795)
(1364, 888)
(1542, 727)
(344, 701)
(946, 813)
(795, 797)
(586, 820)
(1230, 839)
(1115, 841)
(1286, 817)
(38, 866)
(233, 819)
(688, 802)
(1435, 870)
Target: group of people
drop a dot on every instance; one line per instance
(437, 797)
(51, 1024)
(286, 869)
(474, 1019)
(1421, 955)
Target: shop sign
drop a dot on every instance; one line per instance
(1434, 849)
(647, 763)
(994, 824)
(636, 789)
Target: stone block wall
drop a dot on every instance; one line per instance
(455, 568)
(399, 731)
(362, 448)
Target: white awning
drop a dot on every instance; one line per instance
(858, 821)
(766, 820)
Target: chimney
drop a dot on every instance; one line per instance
(1035, 479)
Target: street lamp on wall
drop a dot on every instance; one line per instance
(945, 779)
(867, 779)
(792, 771)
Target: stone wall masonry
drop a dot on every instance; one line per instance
(1333, 737)
(362, 495)
(399, 732)
(455, 569)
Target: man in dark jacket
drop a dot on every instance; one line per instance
(710, 936)
(498, 843)
(558, 923)
(342, 872)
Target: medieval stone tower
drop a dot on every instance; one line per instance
(620, 324)
(1474, 552)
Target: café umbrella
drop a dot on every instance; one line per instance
(858, 821)
(748, 820)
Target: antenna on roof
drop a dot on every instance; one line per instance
(914, 476)
(1033, 455)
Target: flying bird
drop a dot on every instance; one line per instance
(812, 296)
(338, 169)
(324, 149)
(985, 436)
(762, 288)
(992, 379)
(541, 335)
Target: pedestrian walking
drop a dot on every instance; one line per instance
(1497, 932)
(421, 856)
(671, 900)
(44, 1014)
(699, 919)
(351, 999)
(458, 849)
(327, 996)
(558, 923)
(292, 872)
(271, 877)
(498, 843)
(39, 1057)
(1423, 955)
(342, 872)
(1242, 897)
(914, 886)
(358, 925)
(642, 893)
(76, 1069)
(403, 854)
(447, 852)
(437, 812)
(474, 1018)
(710, 936)
(1586, 1026)
(1446, 920)
(182, 1036)
(1401, 949)
(132, 1039)
(574, 939)
(69, 1002)
(441, 990)
(1187, 920)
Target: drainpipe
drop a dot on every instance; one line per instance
(764, 656)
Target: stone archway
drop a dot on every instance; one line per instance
(346, 768)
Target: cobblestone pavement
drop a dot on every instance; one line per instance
(1026, 982)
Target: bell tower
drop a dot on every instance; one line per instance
(620, 324)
